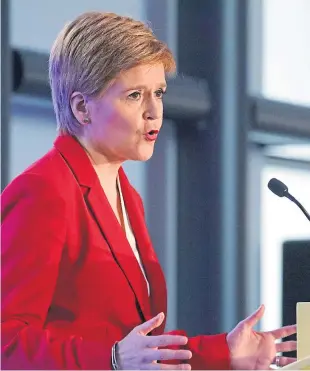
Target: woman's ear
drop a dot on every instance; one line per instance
(78, 105)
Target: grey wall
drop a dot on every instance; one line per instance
(35, 23)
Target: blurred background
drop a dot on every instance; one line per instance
(236, 114)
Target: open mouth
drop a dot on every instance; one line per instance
(151, 135)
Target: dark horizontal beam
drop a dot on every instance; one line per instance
(30, 73)
(279, 120)
(186, 98)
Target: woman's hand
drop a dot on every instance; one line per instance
(251, 350)
(140, 352)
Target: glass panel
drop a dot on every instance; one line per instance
(35, 23)
(285, 50)
(290, 151)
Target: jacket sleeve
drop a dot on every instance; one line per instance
(210, 352)
(33, 231)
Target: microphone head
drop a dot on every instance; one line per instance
(277, 187)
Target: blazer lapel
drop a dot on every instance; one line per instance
(154, 273)
(99, 206)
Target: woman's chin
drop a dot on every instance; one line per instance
(144, 155)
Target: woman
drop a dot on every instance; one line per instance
(81, 284)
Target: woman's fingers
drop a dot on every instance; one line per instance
(284, 361)
(283, 331)
(163, 366)
(166, 355)
(252, 320)
(165, 340)
(150, 325)
(286, 346)
(137, 348)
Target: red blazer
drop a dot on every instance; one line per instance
(71, 285)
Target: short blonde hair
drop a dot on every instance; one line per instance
(89, 53)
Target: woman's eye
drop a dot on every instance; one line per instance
(135, 95)
(159, 93)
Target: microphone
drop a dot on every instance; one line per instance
(281, 190)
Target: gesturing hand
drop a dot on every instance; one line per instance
(251, 350)
(140, 352)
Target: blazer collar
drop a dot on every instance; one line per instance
(77, 160)
(81, 167)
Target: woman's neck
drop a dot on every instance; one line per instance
(107, 174)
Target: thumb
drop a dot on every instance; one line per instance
(252, 320)
(149, 325)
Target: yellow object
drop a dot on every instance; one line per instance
(303, 330)
(303, 338)
(303, 364)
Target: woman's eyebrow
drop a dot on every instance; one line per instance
(144, 87)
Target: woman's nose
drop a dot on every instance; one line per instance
(154, 111)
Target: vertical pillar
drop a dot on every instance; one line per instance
(212, 162)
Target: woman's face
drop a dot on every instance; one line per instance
(126, 119)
